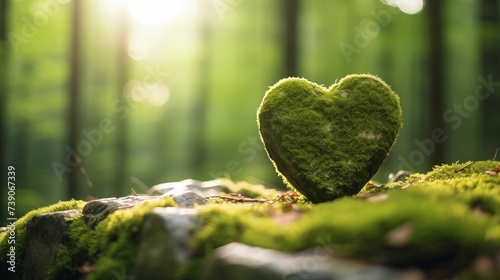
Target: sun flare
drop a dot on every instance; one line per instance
(158, 12)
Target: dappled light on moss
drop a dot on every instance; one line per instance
(443, 223)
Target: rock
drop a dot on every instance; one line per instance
(163, 243)
(240, 261)
(200, 188)
(327, 143)
(97, 210)
(186, 199)
(44, 234)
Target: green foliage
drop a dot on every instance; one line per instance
(327, 143)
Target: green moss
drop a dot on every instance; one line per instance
(110, 248)
(442, 222)
(327, 143)
(20, 230)
(247, 189)
(469, 184)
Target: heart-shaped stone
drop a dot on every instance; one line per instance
(327, 143)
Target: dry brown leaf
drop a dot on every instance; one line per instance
(492, 172)
(288, 194)
(370, 186)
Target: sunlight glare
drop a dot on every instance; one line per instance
(159, 95)
(392, 3)
(138, 45)
(155, 94)
(158, 12)
(410, 7)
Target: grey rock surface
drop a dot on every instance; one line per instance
(163, 242)
(43, 235)
(97, 210)
(186, 199)
(240, 261)
(201, 188)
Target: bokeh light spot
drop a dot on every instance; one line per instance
(410, 7)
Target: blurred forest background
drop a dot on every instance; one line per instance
(140, 92)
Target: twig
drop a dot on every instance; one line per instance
(84, 174)
(139, 183)
(495, 156)
(134, 191)
(238, 199)
(393, 178)
(465, 166)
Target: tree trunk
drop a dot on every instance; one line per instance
(436, 76)
(199, 107)
(121, 161)
(74, 94)
(490, 65)
(291, 10)
(3, 92)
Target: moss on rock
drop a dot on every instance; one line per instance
(442, 222)
(327, 143)
(109, 249)
(20, 233)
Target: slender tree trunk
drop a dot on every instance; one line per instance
(199, 107)
(121, 161)
(490, 65)
(74, 93)
(291, 10)
(436, 75)
(3, 92)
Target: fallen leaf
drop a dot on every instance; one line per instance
(288, 194)
(492, 172)
(370, 186)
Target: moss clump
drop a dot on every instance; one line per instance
(20, 230)
(247, 189)
(440, 224)
(109, 249)
(469, 184)
(327, 143)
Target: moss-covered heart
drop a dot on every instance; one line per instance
(327, 143)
